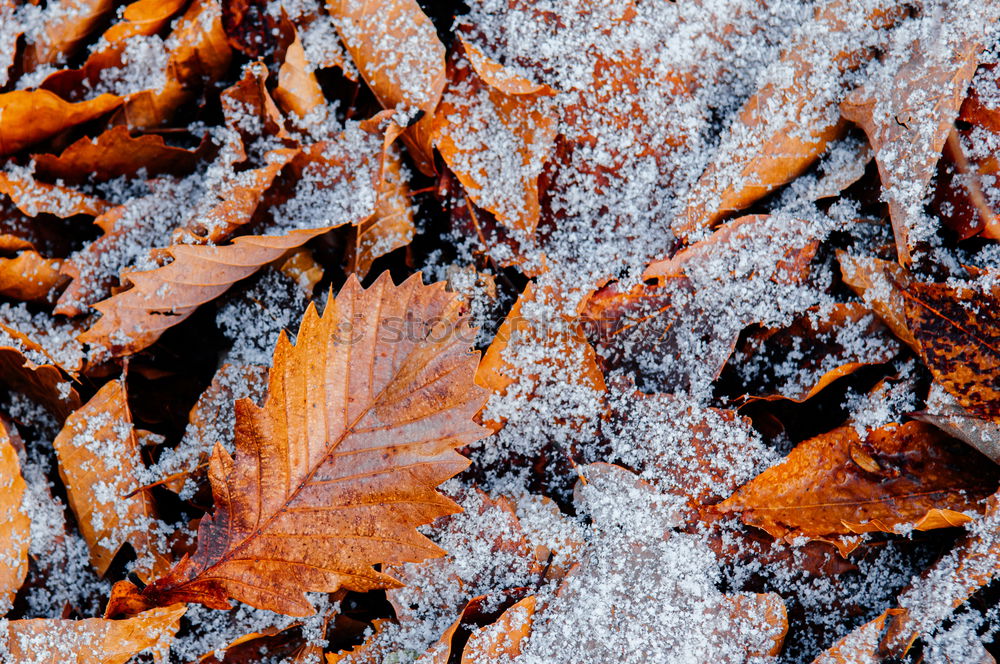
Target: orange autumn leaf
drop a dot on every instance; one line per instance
(343, 492)
(396, 49)
(15, 524)
(567, 349)
(496, 144)
(837, 485)
(161, 298)
(878, 282)
(26, 366)
(28, 276)
(140, 18)
(970, 565)
(391, 226)
(93, 640)
(503, 638)
(908, 118)
(65, 27)
(766, 147)
(34, 197)
(28, 117)
(98, 454)
(199, 54)
(858, 645)
(298, 90)
(114, 153)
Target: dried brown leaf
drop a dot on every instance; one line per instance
(98, 456)
(837, 485)
(357, 430)
(396, 48)
(93, 640)
(15, 524)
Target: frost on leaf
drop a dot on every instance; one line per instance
(98, 453)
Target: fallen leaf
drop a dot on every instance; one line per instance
(503, 638)
(28, 117)
(93, 640)
(878, 283)
(566, 350)
(958, 337)
(497, 145)
(15, 524)
(817, 348)
(908, 113)
(199, 54)
(391, 226)
(943, 411)
(971, 564)
(858, 646)
(26, 367)
(114, 153)
(65, 26)
(161, 298)
(298, 90)
(98, 455)
(34, 197)
(792, 117)
(837, 485)
(211, 420)
(395, 412)
(396, 49)
(28, 276)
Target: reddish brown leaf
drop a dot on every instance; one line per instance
(93, 640)
(931, 599)
(957, 331)
(836, 485)
(161, 298)
(298, 90)
(199, 54)
(567, 350)
(28, 117)
(790, 120)
(98, 456)
(878, 283)
(26, 367)
(28, 276)
(66, 26)
(33, 197)
(913, 120)
(343, 492)
(15, 524)
(820, 346)
(114, 153)
(496, 144)
(503, 638)
(859, 645)
(396, 49)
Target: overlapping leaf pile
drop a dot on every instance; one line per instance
(499, 331)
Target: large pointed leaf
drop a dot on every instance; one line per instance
(334, 473)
